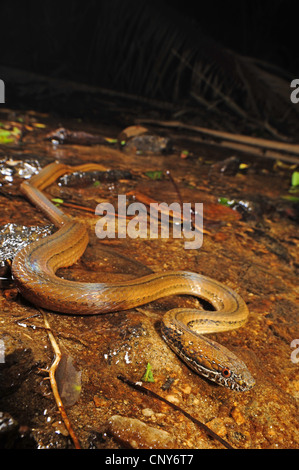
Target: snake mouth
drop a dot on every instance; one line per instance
(248, 384)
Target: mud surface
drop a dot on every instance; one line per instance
(250, 245)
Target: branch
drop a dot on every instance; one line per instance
(53, 382)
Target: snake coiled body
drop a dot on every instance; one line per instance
(34, 269)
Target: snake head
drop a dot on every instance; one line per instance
(210, 359)
(224, 367)
(236, 377)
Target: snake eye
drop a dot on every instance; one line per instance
(226, 372)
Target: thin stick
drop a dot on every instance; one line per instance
(148, 201)
(177, 189)
(88, 209)
(283, 150)
(53, 382)
(148, 392)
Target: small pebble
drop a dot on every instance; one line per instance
(237, 415)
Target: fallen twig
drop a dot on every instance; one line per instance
(53, 382)
(177, 189)
(88, 209)
(262, 147)
(148, 201)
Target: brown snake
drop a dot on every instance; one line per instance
(34, 269)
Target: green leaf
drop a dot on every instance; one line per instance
(291, 198)
(226, 202)
(154, 175)
(148, 376)
(295, 178)
(243, 166)
(8, 136)
(57, 200)
(111, 141)
(5, 140)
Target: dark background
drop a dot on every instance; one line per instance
(59, 38)
(266, 29)
(191, 55)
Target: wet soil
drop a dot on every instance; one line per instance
(250, 245)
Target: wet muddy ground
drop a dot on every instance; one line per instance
(250, 243)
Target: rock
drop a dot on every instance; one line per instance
(135, 434)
